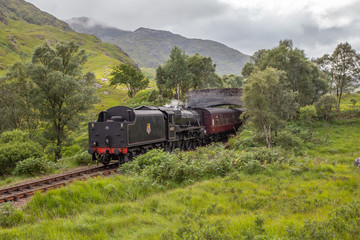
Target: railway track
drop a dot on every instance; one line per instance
(27, 189)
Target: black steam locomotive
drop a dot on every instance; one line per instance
(120, 133)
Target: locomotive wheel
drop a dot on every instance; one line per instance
(105, 159)
(129, 157)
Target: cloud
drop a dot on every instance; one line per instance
(316, 26)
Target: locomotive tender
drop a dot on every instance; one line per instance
(120, 133)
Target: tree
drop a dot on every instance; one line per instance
(233, 80)
(268, 104)
(16, 109)
(61, 94)
(342, 68)
(307, 114)
(181, 73)
(203, 72)
(302, 75)
(133, 79)
(175, 74)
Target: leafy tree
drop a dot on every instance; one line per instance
(175, 74)
(342, 69)
(16, 109)
(133, 79)
(203, 72)
(181, 73)
(307, 114)
(302, 75)
(59, 92)
(268, 104)
(233, 80)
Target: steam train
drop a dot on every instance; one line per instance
(120, 133)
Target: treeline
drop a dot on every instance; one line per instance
(179, 74)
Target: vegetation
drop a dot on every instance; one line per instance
(232, 81)
(54, 89)
(341, 69)
(269, 104)
(182, 73)
(238, 194)
(133, 79)
(302, 75)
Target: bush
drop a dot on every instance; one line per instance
(14, 136)
(256, 160)
(83, 158)
(180, 167)
(288, 141)
(245, 140)
(34, 166)
(13, 152)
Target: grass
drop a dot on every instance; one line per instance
(226, 206)
(285, 201)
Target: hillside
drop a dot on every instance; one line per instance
(149, 48)
(23, 27)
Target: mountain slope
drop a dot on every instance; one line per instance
(23, 27)
(149, 47)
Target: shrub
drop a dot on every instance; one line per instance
(13, 152)
(288, 141)
(34, 166)
(256, 160)
(14, 136)
(83, 158)
(180, 167)
(245, 140)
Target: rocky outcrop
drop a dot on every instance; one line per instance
(357, 162)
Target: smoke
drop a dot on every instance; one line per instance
(175, 104)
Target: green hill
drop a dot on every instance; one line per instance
(23, 27)
(149, 47)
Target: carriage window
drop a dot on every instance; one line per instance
(223, 121)
(213, 122)
(219, 119)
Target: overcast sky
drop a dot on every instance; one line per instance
(316, 26)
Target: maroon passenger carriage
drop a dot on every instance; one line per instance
(220, 122)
